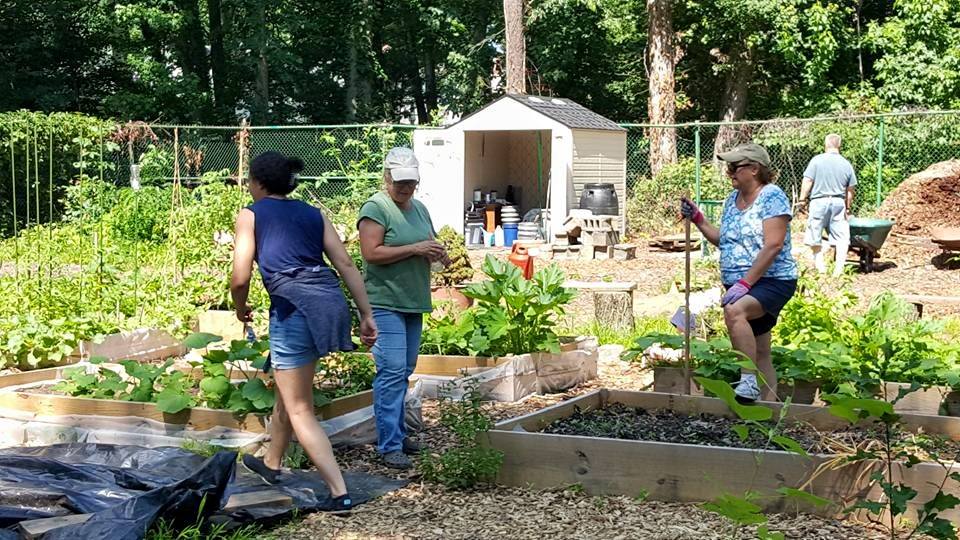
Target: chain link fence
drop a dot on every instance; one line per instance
(884, 150)
(42, 155)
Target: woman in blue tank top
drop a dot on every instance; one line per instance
(309, 316)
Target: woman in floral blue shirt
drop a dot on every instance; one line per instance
(756, 267)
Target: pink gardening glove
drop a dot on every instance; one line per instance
(739, 289)
(689, 210)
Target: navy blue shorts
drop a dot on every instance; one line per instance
(772, 294)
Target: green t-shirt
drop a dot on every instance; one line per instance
(404, 285)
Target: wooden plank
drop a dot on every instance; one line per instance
(346, 404)
(535, 421)
(33, 376)
(199, 418)
(930, 299)
(36, 528)
(257, 499)
(609, 286)
(143, 344)
(690, 473)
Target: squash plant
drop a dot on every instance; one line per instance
(514, 315)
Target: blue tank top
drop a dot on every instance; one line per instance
(289, 235)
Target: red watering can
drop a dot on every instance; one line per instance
(520, 256)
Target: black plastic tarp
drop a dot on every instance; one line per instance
(127, 488)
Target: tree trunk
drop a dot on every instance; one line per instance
(734, 103)
(661, 107)
(261, 114)
(430, 81)
(352, 76)
(191, 45)
(516, 47)
(218, 59)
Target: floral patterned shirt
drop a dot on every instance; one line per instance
(741, 236)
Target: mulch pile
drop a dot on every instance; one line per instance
(927, 199)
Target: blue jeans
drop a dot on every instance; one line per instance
(395, 354)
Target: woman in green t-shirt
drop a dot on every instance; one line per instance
(397, 243)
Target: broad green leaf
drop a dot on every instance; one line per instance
(200, 340)
(170, 401)
(257, 392)
(938, 528)
(764, 534)
(874, 507)
(941, 501)
(789, 445)
(742, 431)
(736, 509)
(725, 392)
(899, 495)
(217, 386)
(804, 496)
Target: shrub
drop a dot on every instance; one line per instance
(654, 204)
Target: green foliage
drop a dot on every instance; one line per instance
(30, 342)
(216, 387)
(459, 269)
(654, 204)
(156, 166)
(893, 453)
(519, 315)
(469, 462)
(142, 215)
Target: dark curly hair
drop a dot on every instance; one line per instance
(276, 172)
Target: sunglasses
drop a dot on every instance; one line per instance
(734, 167)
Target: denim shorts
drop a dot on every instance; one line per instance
(827, 213)
(772, 294)
(291, 343)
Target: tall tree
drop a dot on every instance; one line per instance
(662, 104)
(516, 47)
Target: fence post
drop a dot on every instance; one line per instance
(880, 163)
(696, 156)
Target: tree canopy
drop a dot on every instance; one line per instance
(286, 61)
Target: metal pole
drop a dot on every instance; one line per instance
(696, 156)
(880, 164)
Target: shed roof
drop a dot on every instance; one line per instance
(567, 112)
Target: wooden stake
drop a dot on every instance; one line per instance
(686, 307)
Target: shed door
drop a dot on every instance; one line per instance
(440, 153)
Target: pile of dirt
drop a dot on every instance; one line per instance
(927, 199)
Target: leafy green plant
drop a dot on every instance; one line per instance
(459, 269)
(469, 462)
(896, 452)
(517, 315)
(743, 510)
(451, 332)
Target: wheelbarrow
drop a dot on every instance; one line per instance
(867, 235)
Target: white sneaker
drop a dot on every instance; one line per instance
(747, 390)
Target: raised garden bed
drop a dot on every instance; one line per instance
(511, 378)
(704, 467)
(13, 395)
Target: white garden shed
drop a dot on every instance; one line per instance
(547, 147)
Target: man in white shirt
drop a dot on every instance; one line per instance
(829, 183)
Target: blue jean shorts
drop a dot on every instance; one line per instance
(291, 343)
(772, 294)
(828, 213)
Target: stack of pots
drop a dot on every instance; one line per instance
(528, 231)
(473, 227)
(509, 219)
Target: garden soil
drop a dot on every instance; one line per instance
(928, 199)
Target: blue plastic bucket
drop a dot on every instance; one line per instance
(509, 234)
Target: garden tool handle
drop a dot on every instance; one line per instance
(686, 307)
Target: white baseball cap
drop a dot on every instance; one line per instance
(402, 164)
